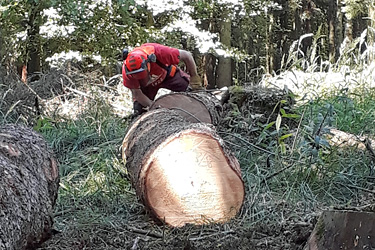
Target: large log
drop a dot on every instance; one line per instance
(29, 179)
(343, 229)
(194, 107)
(182, 171)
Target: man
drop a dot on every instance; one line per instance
(152, 66)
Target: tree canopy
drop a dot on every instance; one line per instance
(249, 36)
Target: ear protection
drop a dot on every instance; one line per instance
(146, 62)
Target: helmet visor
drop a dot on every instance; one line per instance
(137, 74)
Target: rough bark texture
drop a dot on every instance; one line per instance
(332, 23)
(195, 107)
(209, 70)
(34, 44)
(224, 66)
(343, 230)
(29, 180)
(182, 171)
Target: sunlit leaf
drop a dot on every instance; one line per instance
(278, 122)
(285, 136)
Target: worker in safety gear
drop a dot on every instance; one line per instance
(152, 66)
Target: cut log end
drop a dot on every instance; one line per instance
(188, 179)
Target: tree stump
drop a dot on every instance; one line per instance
(343, 230)
(29, 181)
(195, 107)
(182, 171)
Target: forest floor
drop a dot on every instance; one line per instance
(103, 212)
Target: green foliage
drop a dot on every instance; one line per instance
(312, 60)
(88, 153)
(354, 8)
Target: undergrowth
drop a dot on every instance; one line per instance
(311, 174)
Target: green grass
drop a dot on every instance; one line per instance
(310, 174)
(97, 207)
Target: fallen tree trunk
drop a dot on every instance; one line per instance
(194, 107)
(29, 180)
(343, 230)
(182, 171)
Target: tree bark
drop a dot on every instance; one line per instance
(2, 52)
(308, 13)
(282, 41)
(224, 67)
(371, 31)
(339, 28)
(349, 30)
(33, 44)
(269, 43)
(209, 60)
(29, 180)
(182, 171)
(332, 22)
(297, 25)
(343, 230)
(194, 107)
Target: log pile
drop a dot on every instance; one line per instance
(29, 181)
(181, 169)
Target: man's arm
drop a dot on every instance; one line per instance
(141, 98)
(188, 59)
(191, 68)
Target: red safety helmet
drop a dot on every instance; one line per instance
(137, 64)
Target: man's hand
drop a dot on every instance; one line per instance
(196, 83)
(141, 98)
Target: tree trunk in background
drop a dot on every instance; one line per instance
(209, 60)
(182, 171)
(33, 42)
(332, 22)
(307, 8)
(2, 52)
(371, 30)
(269, 43)
(282, 41)
(349, 30)
(297, 24)
(209, 78)
(29, 181)
(224, 67)
(339, 29)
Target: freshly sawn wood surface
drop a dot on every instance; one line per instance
(182, 171)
